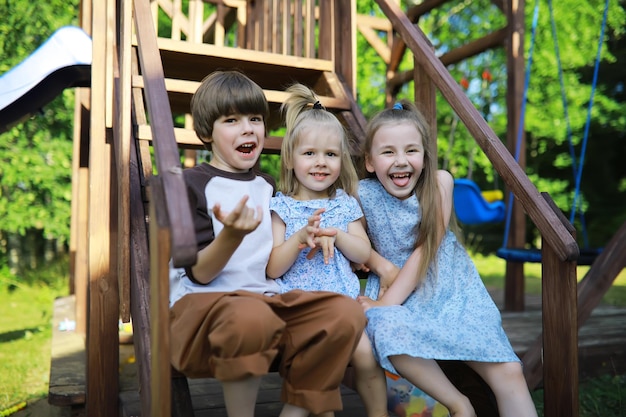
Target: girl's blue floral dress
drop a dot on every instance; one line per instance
(450, 316)
(313, 274)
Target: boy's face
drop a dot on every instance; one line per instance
(397, 158)
(237, 141)
(317, 162)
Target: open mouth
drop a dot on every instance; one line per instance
(400, 180)
(246, 148)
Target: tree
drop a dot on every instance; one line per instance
(35, 156)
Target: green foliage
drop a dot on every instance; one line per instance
(548, 159)
(35, 156)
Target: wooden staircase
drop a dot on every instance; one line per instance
(186, 63)
(141, 101)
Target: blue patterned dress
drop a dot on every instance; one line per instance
(314, 274)
(450, 316)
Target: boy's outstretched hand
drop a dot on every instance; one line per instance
(241, 220)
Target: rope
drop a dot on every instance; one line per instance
(577, 167)
(588, 122)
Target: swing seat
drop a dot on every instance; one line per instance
(586, 257)
(471, 207)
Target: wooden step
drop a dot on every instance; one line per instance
(193, 61)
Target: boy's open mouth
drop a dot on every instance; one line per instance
(246, 148)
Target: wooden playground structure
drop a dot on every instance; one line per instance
(130, 212)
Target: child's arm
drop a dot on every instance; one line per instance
(285, 252)
(237, 224)
(385, 270)
(407, 279)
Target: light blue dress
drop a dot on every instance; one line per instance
(450, 316)
(314, 274)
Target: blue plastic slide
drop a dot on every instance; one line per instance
(63, 61)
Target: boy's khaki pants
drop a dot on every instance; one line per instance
(234, 336)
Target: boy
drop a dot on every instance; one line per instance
(227, 320)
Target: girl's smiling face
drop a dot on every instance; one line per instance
(316, 162)
(397, 158)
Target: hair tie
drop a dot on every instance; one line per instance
(318, 106)
(398, 106)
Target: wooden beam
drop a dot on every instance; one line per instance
(160, 228)
(492, 40)
(514, 273)
(560, 328)
(102, 388)
(602, 274)
(122, 138)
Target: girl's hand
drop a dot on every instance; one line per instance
(310, 231)
(387, 278)
(326, 241)
(368, 303)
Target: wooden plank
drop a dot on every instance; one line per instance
(122, 138)
(426, 101)
(560, 340)
(273, 96)
(473, 48)
(184, 246)
(140, 168)
(514, 271)
(207, 399)
(552, 231)
(345, 42)
(260, 58)
(160, 382)
(79, 267)
(187, 138)
(102, 329)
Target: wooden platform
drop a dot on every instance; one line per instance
(602, 349)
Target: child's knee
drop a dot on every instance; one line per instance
(348, 313)
(253, 327)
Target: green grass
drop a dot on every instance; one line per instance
(491, 269)
(25, 335)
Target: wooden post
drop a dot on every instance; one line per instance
(514, 275)
(159, 303)
(560, 336)
(102, 388)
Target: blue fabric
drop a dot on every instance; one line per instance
(313, 274)
(451, 316)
